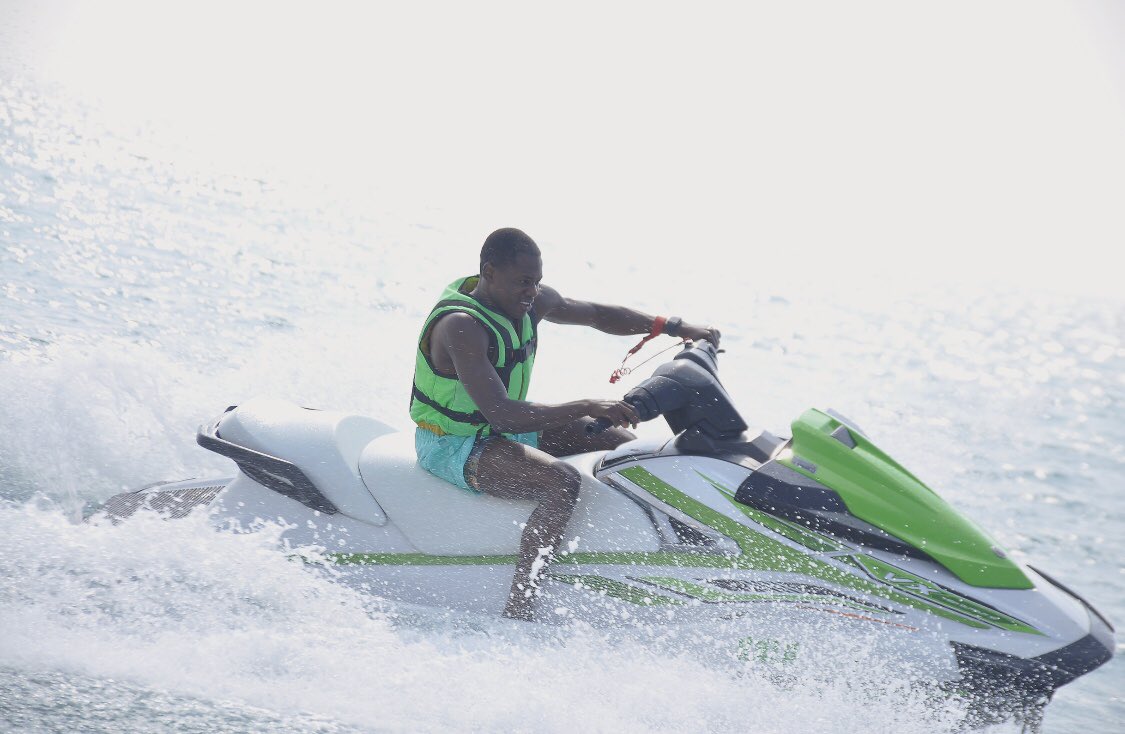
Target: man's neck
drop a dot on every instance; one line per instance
(481, 296)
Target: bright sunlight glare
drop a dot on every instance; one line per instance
(871, 141)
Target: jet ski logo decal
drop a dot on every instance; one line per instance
(920, 587)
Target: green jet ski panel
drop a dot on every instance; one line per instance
(879, 491)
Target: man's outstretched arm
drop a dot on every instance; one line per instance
(554, 307)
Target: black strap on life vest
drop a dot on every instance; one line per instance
(519, 356)
(476, 417)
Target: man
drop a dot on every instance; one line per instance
(477, 430)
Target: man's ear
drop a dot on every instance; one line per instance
(487, 271)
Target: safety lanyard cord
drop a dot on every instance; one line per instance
(656, 330)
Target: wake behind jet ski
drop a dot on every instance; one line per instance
(767, 537)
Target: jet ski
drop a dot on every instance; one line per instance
(771, 540)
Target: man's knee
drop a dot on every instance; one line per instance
(569, 481)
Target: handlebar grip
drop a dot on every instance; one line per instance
(598, 426)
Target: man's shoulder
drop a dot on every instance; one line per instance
(458, 325)
(547, 300)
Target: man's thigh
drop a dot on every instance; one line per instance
(572, 438)
(512, 470)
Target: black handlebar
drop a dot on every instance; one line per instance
(687, 392)
(598, 426)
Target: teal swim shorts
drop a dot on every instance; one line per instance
(452, 457)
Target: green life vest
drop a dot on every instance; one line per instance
(440, 401)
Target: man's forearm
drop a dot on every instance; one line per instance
(620, 320)
(521, 416)
(624, 321)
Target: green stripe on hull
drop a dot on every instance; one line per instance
(674, 560)
(759, 552)
(796, 533)
(718, 596)
(915, 584)
(766, 554)
(886, 573)
(417, 559)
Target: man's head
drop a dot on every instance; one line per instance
(504, 245)
(510, 268)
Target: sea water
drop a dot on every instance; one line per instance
(148, 281)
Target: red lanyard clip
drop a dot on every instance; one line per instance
(656, 330)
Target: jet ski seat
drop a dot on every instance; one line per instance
(441, 519)
(326, 445)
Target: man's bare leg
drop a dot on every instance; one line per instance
(572, 439)
(515, 471)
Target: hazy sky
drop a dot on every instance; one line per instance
(886, 138)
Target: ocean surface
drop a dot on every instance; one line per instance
(146, 285)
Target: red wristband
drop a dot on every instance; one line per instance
(655, 330)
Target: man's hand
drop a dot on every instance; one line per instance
(695, 333)
(618, 412)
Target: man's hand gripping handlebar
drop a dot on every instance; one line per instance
(603, 423)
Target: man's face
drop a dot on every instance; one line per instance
(513, 287)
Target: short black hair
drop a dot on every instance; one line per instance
(503, 246)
